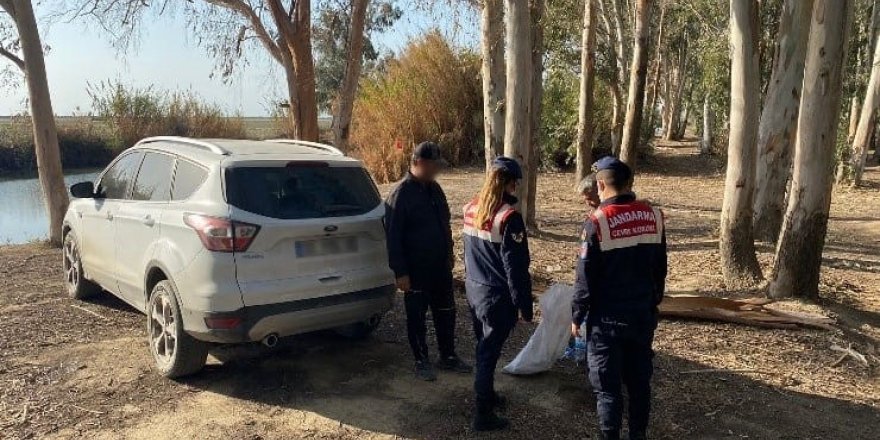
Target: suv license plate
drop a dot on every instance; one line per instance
(326, 246)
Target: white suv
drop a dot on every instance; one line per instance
(227, 241)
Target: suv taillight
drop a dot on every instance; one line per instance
(222, 234)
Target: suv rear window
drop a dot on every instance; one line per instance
(301, 191)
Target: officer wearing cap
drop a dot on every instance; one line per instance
(420, 252)
(620, 281)
(498, 284)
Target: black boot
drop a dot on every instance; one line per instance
(486, 419)
(638, 435)
(499, 402)
(609, 435)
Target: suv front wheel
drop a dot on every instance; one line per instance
(175, 352)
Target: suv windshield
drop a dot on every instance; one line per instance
(301, 191)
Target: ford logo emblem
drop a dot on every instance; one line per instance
(331, 228)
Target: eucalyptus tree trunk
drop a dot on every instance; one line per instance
(776, 132)
(655, 77)
(855, 107)
(799, 251)
(706, 138)
(676, 93)
(517, 124)
(614, 32)
(862, 139)
(494, 80)
(739, 262)
(348, 89)
(292, 48)
(585, 126)
(638, 75)
(46, 148)
(537, 16)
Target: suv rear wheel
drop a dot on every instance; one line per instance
(77, 286)
(175, 352)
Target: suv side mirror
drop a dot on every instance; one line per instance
(83, 190)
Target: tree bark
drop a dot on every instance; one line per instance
(778, 124)
(584, 142)
(739, 262)
(862, 139)
(517, 124)
(348, 88)
(46, 148)
(855, 107)
(494, 80)
(799, 251)
(537, 16)
(637, 77)
(655, 77)
(676, 92)
(706, 140)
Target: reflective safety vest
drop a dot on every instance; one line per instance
(496, 254)
(622, 226)
(489, 231)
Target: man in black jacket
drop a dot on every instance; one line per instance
(420, 252)
(620, 281)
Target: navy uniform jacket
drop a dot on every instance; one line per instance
(621, 268)
(496, 255)
(419, 237)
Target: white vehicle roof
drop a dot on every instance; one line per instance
(235, 150)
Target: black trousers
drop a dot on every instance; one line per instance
(494, 316)
(619, 353)
(442, 306)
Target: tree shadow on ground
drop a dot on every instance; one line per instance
(369, 385)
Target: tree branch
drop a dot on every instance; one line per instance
(241, 8)
(12, 57)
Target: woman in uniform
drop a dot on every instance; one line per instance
(498, 284)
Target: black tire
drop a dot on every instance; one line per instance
(175, 352)
(359, 330)
(78, 287)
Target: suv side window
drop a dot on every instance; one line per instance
(188, 178)
(117, 180)
(153, 181)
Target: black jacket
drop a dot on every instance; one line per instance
(621, 269)
(497, 254)
(419, 234)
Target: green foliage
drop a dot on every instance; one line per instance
(136, 113)
(330, 34)
(84, 143)
(430, 92)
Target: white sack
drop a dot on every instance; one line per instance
(550, 339)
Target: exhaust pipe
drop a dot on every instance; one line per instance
(271, 340)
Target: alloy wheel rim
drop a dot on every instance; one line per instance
(71, 265)
(163, 338)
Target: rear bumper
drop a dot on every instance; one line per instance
(291, 318)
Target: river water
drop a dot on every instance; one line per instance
(22, 212)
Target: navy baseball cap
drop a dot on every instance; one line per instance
(620, 169)
(509, 166)
(428, 151)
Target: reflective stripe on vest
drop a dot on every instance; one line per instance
(623, 226)
(493, 234)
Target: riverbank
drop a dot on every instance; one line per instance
(75, 369)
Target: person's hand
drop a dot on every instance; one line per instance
(575, 330)
(403, 284)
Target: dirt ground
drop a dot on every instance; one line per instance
(69, 373)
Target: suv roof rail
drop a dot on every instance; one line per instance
(328, 148)
(214, 148)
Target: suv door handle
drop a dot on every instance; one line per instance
(148, 220)
(330, 278)
(109, 215)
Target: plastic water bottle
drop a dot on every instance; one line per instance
(577, 350)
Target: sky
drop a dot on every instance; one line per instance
(167, 57)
